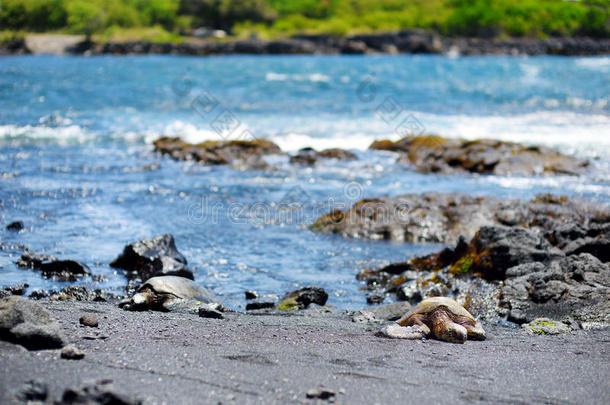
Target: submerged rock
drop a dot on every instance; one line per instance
(27, 323)
(309, 156)
(15, 226)
(171, 293)
(157, 256)
(443, 218)
(62, 270)
(302, 298)
(237, 152)
(435, 154)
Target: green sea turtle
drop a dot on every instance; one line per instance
(171, 293)
(444, 319)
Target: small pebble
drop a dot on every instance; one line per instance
(320, 393)
(89, 320)
(71, 352)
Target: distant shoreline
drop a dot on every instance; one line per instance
(400, 42)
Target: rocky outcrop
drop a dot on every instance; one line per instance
(241, 153)
(403, 41)
(435, 154)
(157, 256)
(51, 267)
(506, 272)
(27, 323)
(443, 218)
(309, 156)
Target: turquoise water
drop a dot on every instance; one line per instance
(75, 138)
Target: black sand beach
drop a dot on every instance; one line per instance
(180, 358)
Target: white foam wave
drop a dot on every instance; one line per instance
(281, 77)
(575, 133)
(63, 135)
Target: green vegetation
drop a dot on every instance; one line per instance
(273, 18)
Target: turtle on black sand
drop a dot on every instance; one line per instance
(171, 293)
(441, 318)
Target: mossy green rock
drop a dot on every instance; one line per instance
(545, 326)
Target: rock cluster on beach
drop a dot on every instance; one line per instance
(513, 273)
(435, 154)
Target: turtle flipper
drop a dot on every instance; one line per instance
(475, 332)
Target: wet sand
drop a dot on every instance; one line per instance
(181, 358)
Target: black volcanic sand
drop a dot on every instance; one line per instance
(181, 358)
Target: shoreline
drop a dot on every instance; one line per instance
(157, 357)
(400, 42)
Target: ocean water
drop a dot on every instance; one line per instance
(76, 155)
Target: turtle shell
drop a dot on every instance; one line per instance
(179, 287)
(430, 304)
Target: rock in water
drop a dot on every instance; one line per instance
(171, 293)
(153, 257)
(434, 154)
(300, 299)
(15, 226)
(63, 270)
(27, 323)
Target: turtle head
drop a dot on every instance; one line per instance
(453, 332)
(142, 300)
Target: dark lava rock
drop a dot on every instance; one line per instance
(210, 313)
(300, 299)
(153, 257)
(243, 153)
(443, 218)
(15, 226)
(97, 393)
(434, 154)
(504, 272)
(598, 247)
(63, 270)
(33, 391)
(375, 298)
(251, 295)
(76, 293)
(71, 352)
(14, 290)
(27, 323)
(259, 304)
(89, 320)
(309, 156)
(577, 286)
